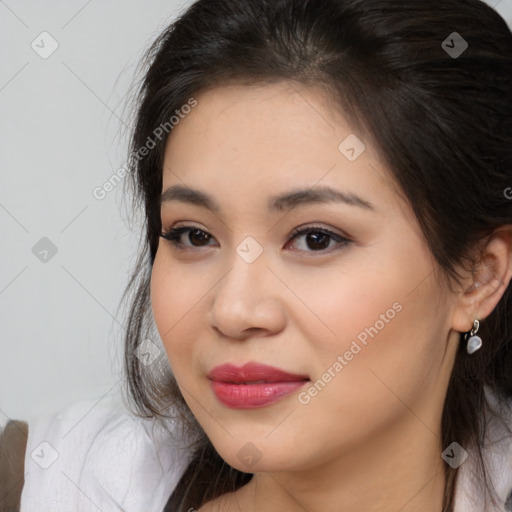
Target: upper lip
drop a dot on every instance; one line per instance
(251, 372)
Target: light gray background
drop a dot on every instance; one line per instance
(62, 133)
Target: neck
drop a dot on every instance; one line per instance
(395, 472)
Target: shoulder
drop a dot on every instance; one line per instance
(96, 454)
(498, 446)
(497, 452)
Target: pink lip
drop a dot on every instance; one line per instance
(235, 386)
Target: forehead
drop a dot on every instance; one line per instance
(262, 139)
(260, 115)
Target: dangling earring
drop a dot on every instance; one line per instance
(474, 342)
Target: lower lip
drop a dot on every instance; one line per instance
(251, 396)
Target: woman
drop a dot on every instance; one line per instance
(327, 258)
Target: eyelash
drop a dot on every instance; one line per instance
(173, 235)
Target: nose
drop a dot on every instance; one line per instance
(248, 301)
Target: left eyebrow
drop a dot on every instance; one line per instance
(295, 198)
(286, 201)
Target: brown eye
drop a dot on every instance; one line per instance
(318, 239)
(196, 237)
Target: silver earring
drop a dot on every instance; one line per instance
(474, 342)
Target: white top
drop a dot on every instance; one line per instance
(99, 457)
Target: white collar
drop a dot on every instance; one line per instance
(469, 494)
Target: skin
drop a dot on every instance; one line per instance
(371, 438)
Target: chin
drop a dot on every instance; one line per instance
(258, 456)
(262, 465)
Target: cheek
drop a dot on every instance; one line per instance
(380, 320)
(176, 304)
(364, 373)
(337, 306)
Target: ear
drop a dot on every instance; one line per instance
(487, 283)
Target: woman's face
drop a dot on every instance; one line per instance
(352, 310)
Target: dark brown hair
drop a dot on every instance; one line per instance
(442, 123)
